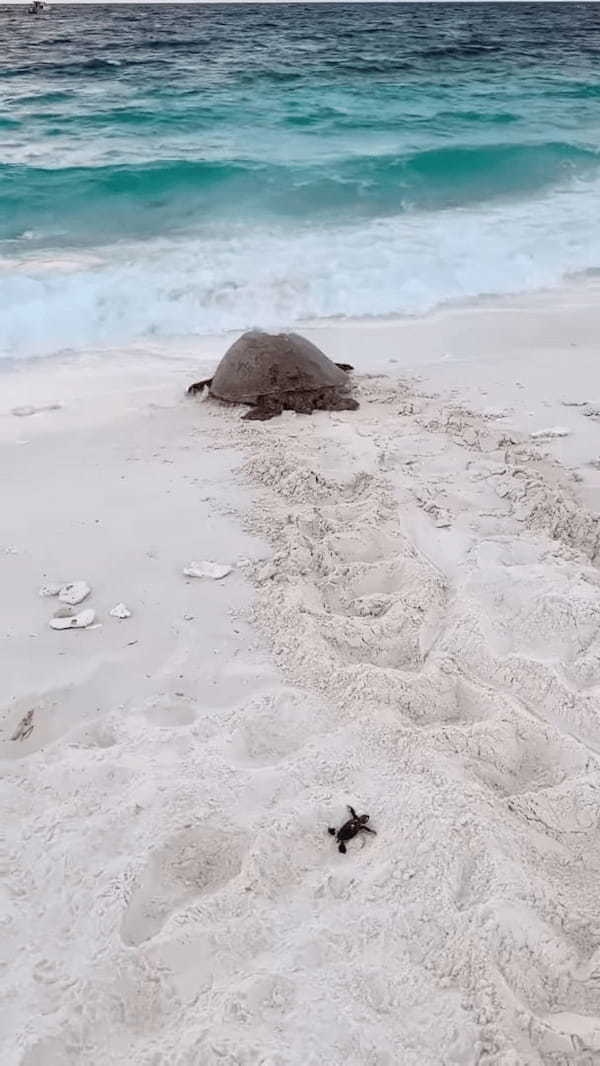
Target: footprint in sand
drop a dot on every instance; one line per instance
(170, 711)
(97, 735)
(274, 726)
(512, 752)
(192, 863)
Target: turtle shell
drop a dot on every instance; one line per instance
(271, 364)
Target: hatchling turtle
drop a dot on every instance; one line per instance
(357, 823)
(275, 372)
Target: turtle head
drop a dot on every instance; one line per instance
(364, 818)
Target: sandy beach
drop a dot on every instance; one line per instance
(411, 625)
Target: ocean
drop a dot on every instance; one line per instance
(189, 169)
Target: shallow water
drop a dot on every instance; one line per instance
(184, 169)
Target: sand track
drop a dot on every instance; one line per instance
(431, 604)
(469, 641)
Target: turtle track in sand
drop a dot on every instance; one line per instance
(431, 602)
(476, 667)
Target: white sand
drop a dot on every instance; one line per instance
(412, 625)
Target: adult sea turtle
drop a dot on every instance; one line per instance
(275, 372)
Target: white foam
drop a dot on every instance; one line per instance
(221, 281)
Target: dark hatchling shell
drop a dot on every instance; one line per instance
(269, 364)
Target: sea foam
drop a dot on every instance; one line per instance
(216, 281)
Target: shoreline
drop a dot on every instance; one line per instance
(577, 292)
(411, 624)
(515, 353)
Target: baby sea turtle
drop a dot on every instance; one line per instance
(356, 824)
(275, 372)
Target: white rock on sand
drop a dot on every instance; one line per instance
(120, 611)
(51, 589)
(73, 621)
(166, 816)
(75, 592)
(552, 431)
(215, 571)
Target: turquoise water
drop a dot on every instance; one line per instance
(186, 169)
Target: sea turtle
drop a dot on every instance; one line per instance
(356, 824)
(275, 372)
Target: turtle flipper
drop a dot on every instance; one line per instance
(199, 385)
(366, 829)
(346, 367)
(266, 407)
(342, 848)
(339, 402)
(352, 811)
